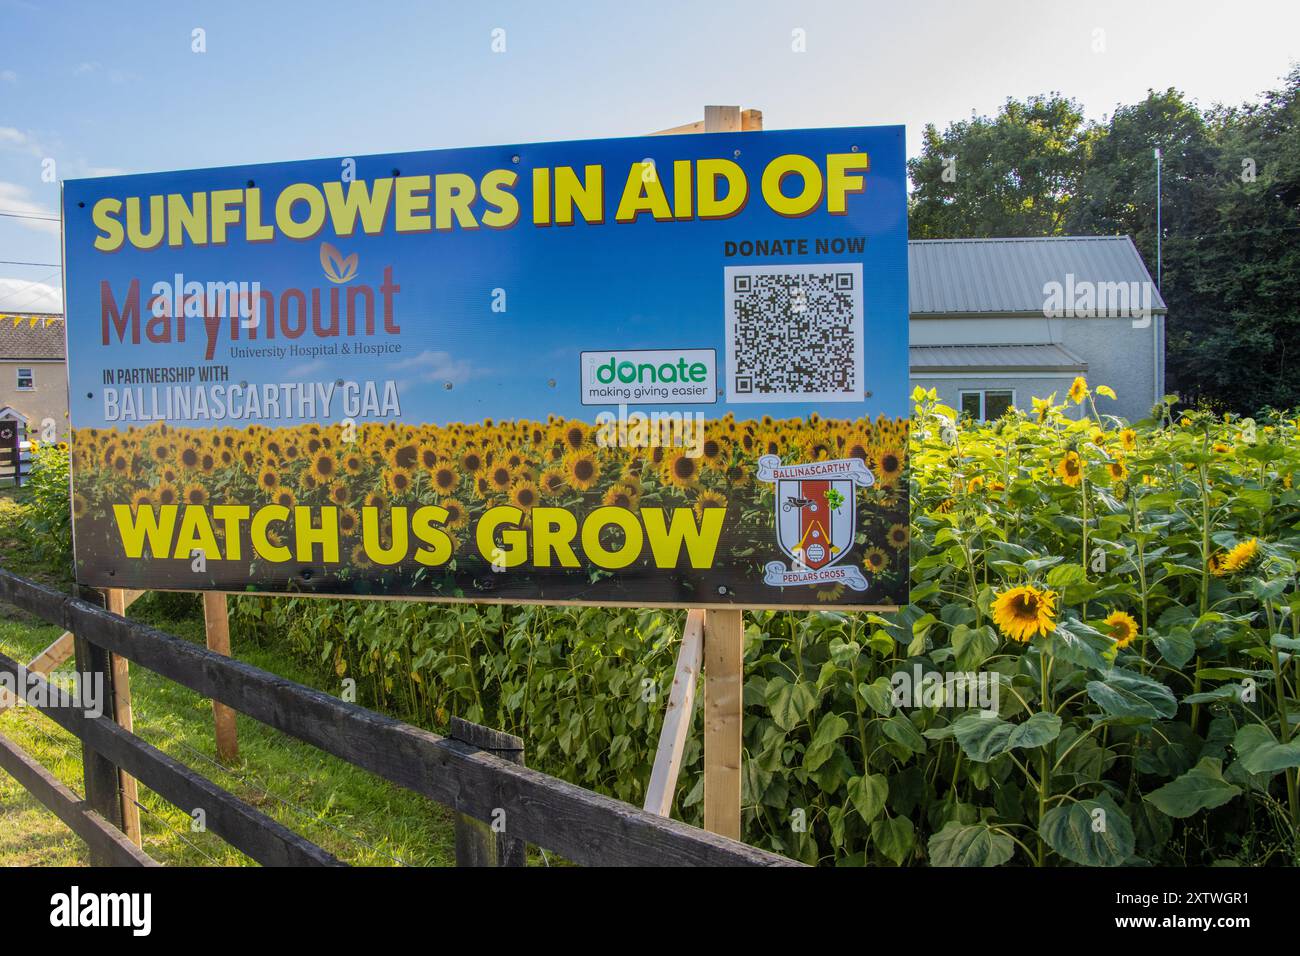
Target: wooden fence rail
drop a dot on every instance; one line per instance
(482, 782)
(105, 840)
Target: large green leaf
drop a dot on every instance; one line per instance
(894, 837)
(1089, 832)
(829, 730)
(790, 704)
(982, 738)
(1066, 574)
(868, 794)
(1041, 728)
(878, 695)
(969, 844)
(901, 731)
(973, 646)
(1177, 647)
(1125, 694)
(1260, 752)
(1201, 788)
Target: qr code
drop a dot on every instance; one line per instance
(794, 333)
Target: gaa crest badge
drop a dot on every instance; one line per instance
(816, 519)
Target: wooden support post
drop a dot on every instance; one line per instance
(724, 654)
(216, 627)
(677, 718)
(722, 119)
(43, 663)
(724, 630)
(116, 598)
(49, 659)
(478, 843)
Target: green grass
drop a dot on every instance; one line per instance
(357, 816)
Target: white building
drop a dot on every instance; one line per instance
(996, 322)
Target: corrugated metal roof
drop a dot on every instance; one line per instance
(1007, 276)
(994, 358)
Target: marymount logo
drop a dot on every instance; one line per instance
(338, 268)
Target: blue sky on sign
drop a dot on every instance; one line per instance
(111, 87)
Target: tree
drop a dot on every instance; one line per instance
(1242, 342)
(1013, 175)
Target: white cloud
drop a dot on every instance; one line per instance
(8, 76)
(17, 140)
(19, 295)
(13, 198)
(440, 367)
(83, 68)
(306, 370)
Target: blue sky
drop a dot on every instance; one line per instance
(103, 88)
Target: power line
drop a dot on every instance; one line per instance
(27, 215)
(39, 289)
(19, 262)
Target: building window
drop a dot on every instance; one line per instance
(26, 380)
(988, 404)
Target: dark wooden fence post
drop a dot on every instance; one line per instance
(477, 842)
(103, 778)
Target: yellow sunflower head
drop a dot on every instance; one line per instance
(1070, 469)
(581, 469)
(1024, 612)
(620, 496)
(899, 535)
(889, 465)
(1078, 390)
(1121, 627)
(709, 499)
(444, 478)
(167, 494)
(552, 482)
(525, 496)
(500, 476)
(457, 513)
(1241, 556)
(324, 466)
(681, 470)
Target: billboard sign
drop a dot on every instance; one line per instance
(657, 370)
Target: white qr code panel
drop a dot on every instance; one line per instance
(794, 333)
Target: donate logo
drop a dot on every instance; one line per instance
(629, 372)
(650, 376)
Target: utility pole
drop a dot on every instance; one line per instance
(1157, 152)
